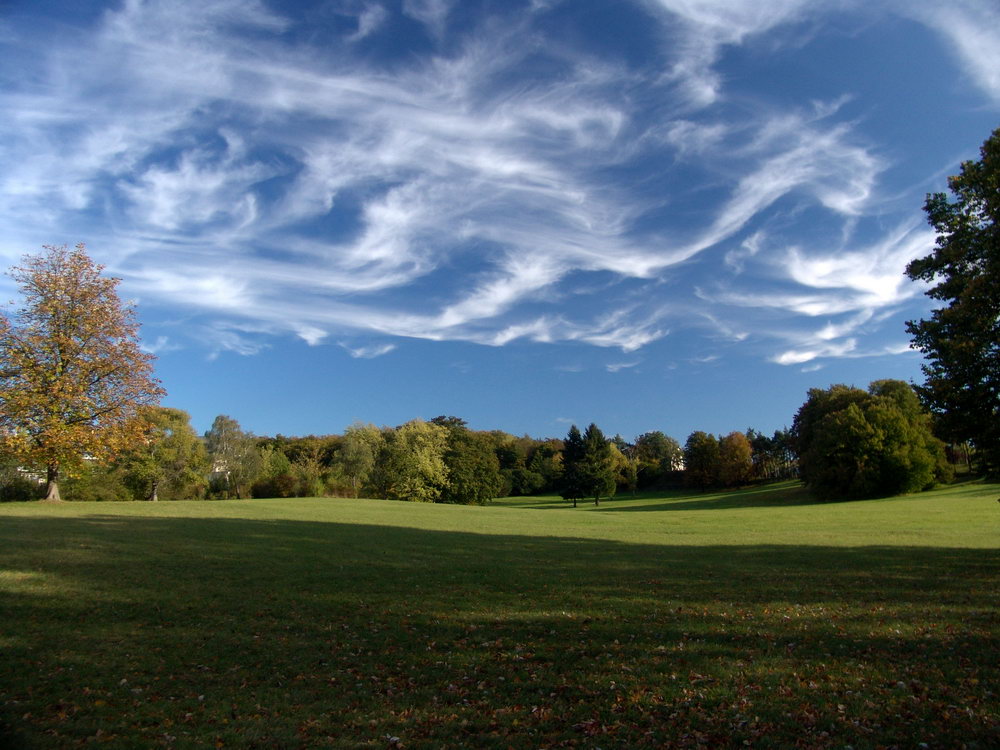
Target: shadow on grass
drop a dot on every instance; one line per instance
(781, 494)
(785, 494)
(194, 632)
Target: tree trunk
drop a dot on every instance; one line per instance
(154, 486)
(52, 491)
(597, 500)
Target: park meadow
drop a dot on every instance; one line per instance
(754, 617)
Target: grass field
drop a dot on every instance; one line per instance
(753, 618)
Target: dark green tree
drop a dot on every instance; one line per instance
(510, 460)
(473, 469)
(597, 468)
(545, 462)
(773, 457)
(572, 459)
(701, 460)
(858, 444)
(97, 482)
(658, 455)
(275, 479)
(16, 483)
(450, 422)
(961, 339)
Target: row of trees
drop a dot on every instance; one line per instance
(437, 461)
(78, 397)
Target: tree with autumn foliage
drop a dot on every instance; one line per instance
(735, 460)
(73, 380)
(701, 460)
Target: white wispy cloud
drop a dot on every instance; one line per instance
(972, 30)
(219, 339)
(845, 349)
(314, 191)
(370, 18)
(368, 352)
(161, 345)
(872, 276)
(310, 334)
(698, 30)
(432, 13)
(747, 249)
(798, 356)
(856, 289)
(619, 366)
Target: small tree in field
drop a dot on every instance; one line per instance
(573, 454)
(236, 460)
(701, 460)
(597, 466)
(735, 459)
(72, 376)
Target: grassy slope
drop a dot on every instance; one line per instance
(753, 616)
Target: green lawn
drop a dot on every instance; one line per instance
(755, 617)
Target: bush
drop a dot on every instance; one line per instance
(856, 444)
(96, 484)
(18, 489)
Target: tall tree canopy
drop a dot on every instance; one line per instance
(170, 462)
(572, 463)
(961, 339)
(410, 465)
(473, 468)
(597, 469)
(358, 452)
(658, 455)
(735, 459)
(236, 460)
(701, 460)
(73, 378)
(858, 444)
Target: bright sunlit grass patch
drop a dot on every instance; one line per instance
(756, 616)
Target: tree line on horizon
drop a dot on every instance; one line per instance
(79, 404)
(884, 431)
(440, 460)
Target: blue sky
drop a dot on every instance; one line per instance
(659, 214)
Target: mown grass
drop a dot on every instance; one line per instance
(755, 617)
